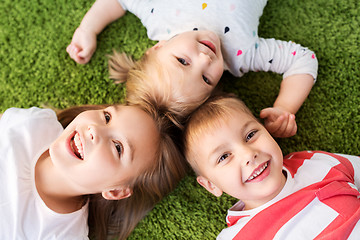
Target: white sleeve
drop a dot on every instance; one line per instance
(134, 6)
(123, 4)
(287, 58)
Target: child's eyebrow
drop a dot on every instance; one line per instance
(173, 36)
(114, 108)
(218, 148)
(132, 150)
(214, 151)
(246, 125)
(127, 141)
(131, 153)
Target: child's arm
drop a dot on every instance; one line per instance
(280, 119)
(299, 68)
(83, 44)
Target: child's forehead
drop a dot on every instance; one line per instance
(222, 116)
(222, 120)
(215, 123)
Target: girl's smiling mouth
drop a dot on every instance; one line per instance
(76, 146)
(259, 173)
(209, 45)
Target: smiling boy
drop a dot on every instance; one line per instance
(305, 195)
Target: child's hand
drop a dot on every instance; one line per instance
(82, 46)
(279, 122)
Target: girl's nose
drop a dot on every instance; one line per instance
(204, 59)
(92, 132)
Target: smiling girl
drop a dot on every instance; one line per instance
(106, 169)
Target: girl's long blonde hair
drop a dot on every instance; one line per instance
(147, 82)
(118, 218)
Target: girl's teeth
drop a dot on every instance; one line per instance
(78, 145)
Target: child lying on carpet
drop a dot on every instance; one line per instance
(197, 40)
(108, 168)
(305, 195)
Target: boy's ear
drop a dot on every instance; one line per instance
(208, 185)
(117, 194)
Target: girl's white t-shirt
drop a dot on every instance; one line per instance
(24, 135)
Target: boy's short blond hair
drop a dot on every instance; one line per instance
(208, 116)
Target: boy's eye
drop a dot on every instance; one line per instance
(107, 117)
(118, 147)
(206, 80)
(182, 61)
(250, 135)
(223, 157)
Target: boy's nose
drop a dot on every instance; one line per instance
(248, 156)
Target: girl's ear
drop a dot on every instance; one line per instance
(157, 45)
(208, 185)
(117, 194)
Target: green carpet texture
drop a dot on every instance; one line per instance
(35, 70)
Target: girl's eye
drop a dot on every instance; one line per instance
(206, 80)
(118, 147)
(107, 117)
(182, 61)
(250, 135)
(223, 157)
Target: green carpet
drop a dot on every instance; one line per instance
(36, 71)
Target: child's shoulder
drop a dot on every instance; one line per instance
(16, 115)
(316, 165)
(33, 111)
(312, 155)
(17, 120)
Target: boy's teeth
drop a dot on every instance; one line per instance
(258, 172)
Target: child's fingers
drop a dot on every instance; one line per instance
(275, 126)
(85, 53)
(72, 50)
(292, 127)
(264, 113)
(68, 49)
(82, 60)
(282, 126)
(288, 128)
(268, 113)
(75, 54)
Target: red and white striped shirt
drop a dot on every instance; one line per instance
(320, 200)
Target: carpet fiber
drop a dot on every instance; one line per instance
(35, 70)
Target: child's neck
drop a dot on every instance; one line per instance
(51, 190)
